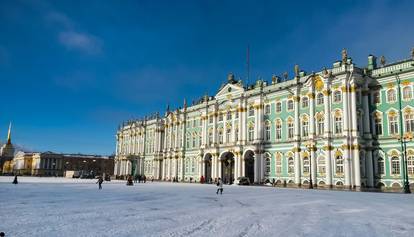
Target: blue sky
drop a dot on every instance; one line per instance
(71, 71)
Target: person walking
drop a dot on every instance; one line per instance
(99, 182)
(15, 180)
(219, 186)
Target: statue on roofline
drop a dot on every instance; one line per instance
(344, 56)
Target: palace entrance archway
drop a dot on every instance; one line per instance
(227, 167)
(207, 167)
(249, 165)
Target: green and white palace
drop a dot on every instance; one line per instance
(344, 126)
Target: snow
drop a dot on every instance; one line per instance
(73, 207)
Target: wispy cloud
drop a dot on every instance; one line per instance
(80, 41)
(72, 38)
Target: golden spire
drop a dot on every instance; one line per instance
(9, 135)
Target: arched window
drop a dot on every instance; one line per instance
(407, 93)
(321, 165)
(278, 129)
(228, 135)
(380, 166)
(391, 95)
(193, 164)
(228, 117)
(187, 165)
(251, 111)
(305, 126)
(268, 128)
(220, 136)
(291, 165)
(267, 109)
(339, 164)
(305, 102)
(337, 96)
(188, 140)
(393, 123)
(194, 140)
(338, 123)
(320, 124)
(395, 165)
(306, 165)
(267, 165)
(278, 164)
(378, 123)
(251, 133)
(278, 107)
(319, 99)
(409, 121)
(410, 164)
(290, 129)
(290, 105)
(376, 97)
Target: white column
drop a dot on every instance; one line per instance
(213, 166)
(204, 133)
(297, 167)
(242, 166)
(347, 167)
(243, 123)
(236, 166)
(346, 128)
(328, 134)
(357, 168)
(312, 115)
(220, 166)
(313, 166)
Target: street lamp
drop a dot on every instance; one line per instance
(311, 148)
(403, 140)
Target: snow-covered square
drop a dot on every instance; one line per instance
(68, 207)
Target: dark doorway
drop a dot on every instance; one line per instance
(227, 169)
(249, 165)
(207, 168)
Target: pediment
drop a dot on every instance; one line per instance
(229, 91)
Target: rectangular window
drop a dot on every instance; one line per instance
(376, 97)
(338, 125)
(305, 128)
(251, 111)
(378, 126)
(290, 130)
(278, 107)
(278, 131)
(290, 104)
(267, 109)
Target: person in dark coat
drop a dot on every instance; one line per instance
(219, 186)
(145, 179)
(130, 181)
(100, 181)
(15, 180)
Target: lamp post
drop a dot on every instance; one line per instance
(403, 140)
(310, 149)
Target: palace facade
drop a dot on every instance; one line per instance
(341, 126)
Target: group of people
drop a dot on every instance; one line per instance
(140, 178)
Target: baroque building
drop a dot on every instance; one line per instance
(341, 126)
